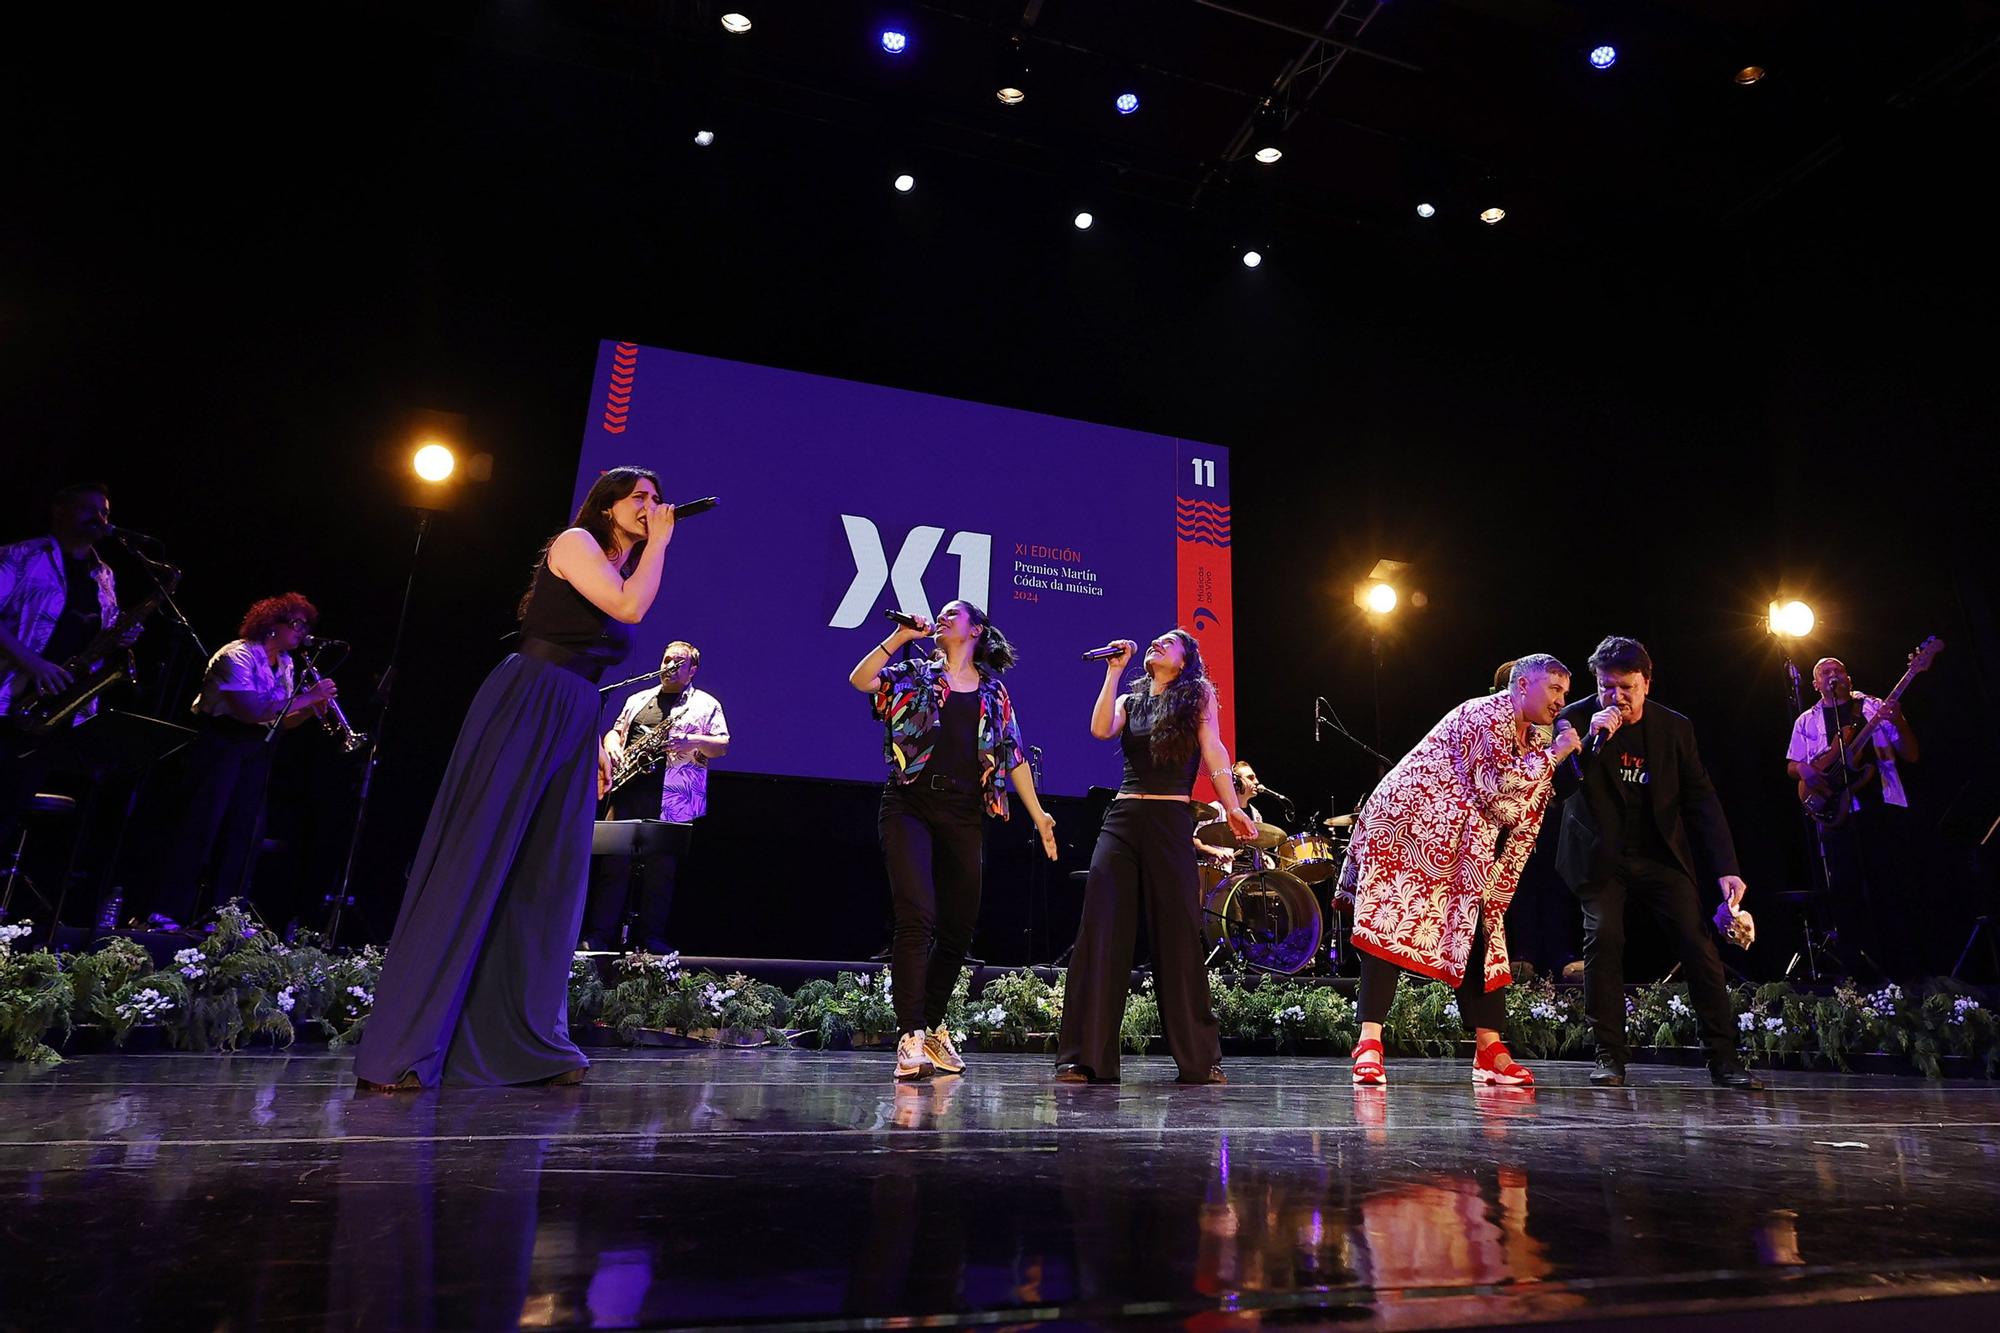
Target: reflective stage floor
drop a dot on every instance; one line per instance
(805, 1190)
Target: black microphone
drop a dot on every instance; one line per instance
(693, 507)
(140, 538)
(1273, 791)
(1103, 654)
(1315, 722)
(315, 641)
(906, 620)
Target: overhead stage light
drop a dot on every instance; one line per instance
(1790, 620)
(735, 24)
(1491, 215)
(1380, 598)
(1012, 84)
(905, 183)
(1425, 211)
(1749, 74)
(433, 461)
(1266, 130)
(1083, 221)
(703, 138)
(1252, 259)
(1604, 57)
(1127, 103)
(894, 42)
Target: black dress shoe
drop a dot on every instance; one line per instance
(1734, 1076)
(1610, 1072)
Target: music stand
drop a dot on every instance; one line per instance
(640, 840)
(108, 742)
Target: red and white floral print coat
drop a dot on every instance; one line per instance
(1422, 864)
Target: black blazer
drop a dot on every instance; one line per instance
(1685, 806)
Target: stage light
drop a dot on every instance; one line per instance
(1266, 130)
(735, 24)
(1604, 57)
(1127, 103)
(1083, 221)
(1790, 620)
(1252, 259)
(703, 138)
(1492, 215)
(1749, 74)
(434, 462)
(905, 183)
(1010, 94)
(1012, 89)
(894, 42)
(1425, 211)
(1381, 598)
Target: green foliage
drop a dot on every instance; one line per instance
(98, 977)
(1544, 1023)
(849, 1006)
(1017, 1009)
(1661, 1015)
(35, 999)
(1141, 1021)
(1423, 1020)
(587, 991)
(653, 994)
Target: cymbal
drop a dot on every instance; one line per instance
(1268, 836)
(1203, 811)
(1217, 833)
(1340, 821)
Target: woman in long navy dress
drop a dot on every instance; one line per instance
(475, 987)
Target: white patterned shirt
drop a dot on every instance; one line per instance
(684, 777)
(33, 587)
(1809, 738)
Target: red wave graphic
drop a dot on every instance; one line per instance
(618, 397)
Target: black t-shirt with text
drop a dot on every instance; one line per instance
(1626, 753)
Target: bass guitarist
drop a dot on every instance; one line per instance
(1866, 844)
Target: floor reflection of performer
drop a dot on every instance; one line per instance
(1431, 876)
(685, 725)
(949, 735)
(1166, 728)
(247, 686)
(475, 989)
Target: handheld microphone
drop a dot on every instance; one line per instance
(905, 619)
(1103, 654)
(1575, 768)
(693, 507)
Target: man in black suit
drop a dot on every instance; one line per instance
(1639, 813)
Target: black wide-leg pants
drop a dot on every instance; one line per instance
(1672, 897)
(1144, 855)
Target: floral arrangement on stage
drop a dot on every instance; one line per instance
(241, 983)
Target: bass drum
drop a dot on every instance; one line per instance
(1267, 919)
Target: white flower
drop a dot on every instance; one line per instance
(144, 1007)
(1746, 1021)
(189, 961)
(1679, 1007)
(286, 1000)
(361, 994)
(1961, 1007)
(1294, 1014)
(1451, 1010)
(1774, 1025)
(8, 934)
(1545, 1011)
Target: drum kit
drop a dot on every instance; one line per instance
(1267, 900)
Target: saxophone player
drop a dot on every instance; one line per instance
(247, 686)
(682, 728)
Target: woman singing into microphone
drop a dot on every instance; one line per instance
(475, 988)
(950, 733)
(1166, 728)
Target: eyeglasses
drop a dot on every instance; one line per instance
(299, 622)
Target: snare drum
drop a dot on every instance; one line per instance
(1310, 856)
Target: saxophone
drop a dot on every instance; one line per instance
(653, 749)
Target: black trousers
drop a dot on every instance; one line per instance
(1144, 855)
(1869, 878)
(1671, 896)
(932, 844)
(226, 773)
(1477, 1006)
(611, 886)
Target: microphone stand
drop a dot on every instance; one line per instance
(1332, 719)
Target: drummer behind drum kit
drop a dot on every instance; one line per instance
(1272, 914)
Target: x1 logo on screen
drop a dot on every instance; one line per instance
(905, 578)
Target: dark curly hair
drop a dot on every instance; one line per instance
(1177, 723)
(611, 486)
(991, 651)
(265, 616)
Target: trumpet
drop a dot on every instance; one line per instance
(332, 719)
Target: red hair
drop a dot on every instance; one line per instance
(267, 615)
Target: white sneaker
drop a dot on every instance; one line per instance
(911, 1061)
(938, 1046)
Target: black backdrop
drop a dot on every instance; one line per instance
(230, 278)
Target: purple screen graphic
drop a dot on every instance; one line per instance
(839, 499)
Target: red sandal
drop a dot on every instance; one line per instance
(1493, 1065)
(1368, 1069)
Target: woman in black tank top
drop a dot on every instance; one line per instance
(1167, 730)
(500, 875)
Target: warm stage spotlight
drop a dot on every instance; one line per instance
(434, 462)
(1492, 215)
(1381, 598)
(735, 24)
(1790, 620)
(1749, 74)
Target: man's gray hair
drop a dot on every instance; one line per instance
(1536, 664)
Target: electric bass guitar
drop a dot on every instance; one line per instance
(1844, 779)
